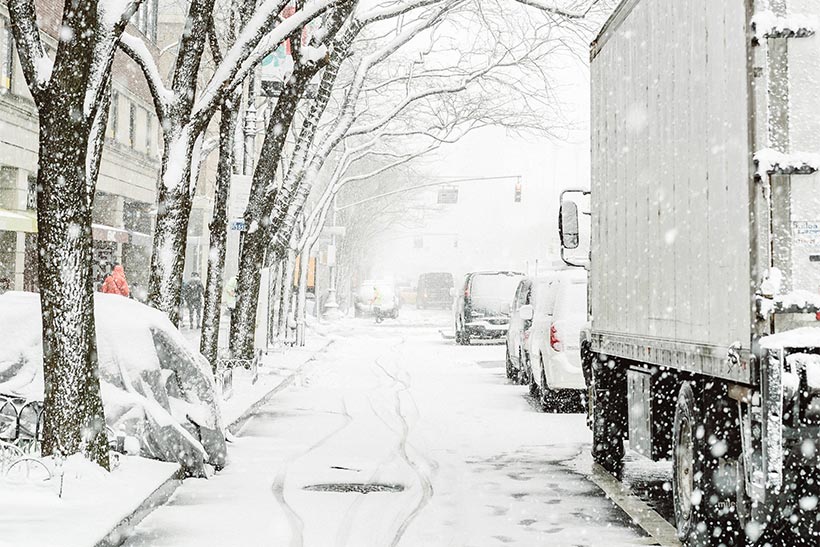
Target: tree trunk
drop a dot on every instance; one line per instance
(73, 412)
(251, 260)
(209, 341)
(171, 231)
(285, 296)
(301, 296)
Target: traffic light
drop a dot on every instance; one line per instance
(518, 191)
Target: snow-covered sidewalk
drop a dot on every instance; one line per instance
(99, 508)
(93, 505)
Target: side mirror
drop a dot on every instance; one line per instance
(568, 225)
(526, 312)
(452, 292)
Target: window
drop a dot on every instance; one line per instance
(31, 197)
(149, 129)
(113, 116)
(132, 125)
(145, 19)
(6, 55)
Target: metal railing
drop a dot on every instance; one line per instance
(224, 370)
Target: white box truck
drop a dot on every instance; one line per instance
(704, 258)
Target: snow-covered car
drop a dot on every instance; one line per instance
(389, 297)
(156, 390)
(558, 307)
(482, 305)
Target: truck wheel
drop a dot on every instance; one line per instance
(705, 470)
(608, 415)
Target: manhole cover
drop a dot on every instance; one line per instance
(355, 487)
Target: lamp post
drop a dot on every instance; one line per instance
(332, 304)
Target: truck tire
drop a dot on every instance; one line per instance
(704, 454)
(608, 414)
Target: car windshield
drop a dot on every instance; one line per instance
(493, 292)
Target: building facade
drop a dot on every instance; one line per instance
(125, 202)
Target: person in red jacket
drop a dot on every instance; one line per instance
(115, 283)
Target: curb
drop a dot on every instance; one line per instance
(237, 424)
(162, 494)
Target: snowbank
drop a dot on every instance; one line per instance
(155, 388)
(805, 337)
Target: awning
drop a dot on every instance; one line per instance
(18, 221)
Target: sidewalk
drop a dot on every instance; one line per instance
(98, 508)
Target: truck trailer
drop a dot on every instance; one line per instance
(703, 345)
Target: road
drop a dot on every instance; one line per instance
(457, 456)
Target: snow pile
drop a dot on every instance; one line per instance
(798, 299)
(767, 24)
(772, 284)
(154, 387)
(770, 161)
(804, 337)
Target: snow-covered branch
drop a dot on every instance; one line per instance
(254, 43)
(36, 64)
(135, 48)
(578, 12)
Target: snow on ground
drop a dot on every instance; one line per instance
(92, 502)
(397, 404)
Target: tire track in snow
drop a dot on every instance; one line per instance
(297, 525)
(424, 478)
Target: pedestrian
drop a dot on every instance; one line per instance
(192, 293)
(377, 304)
(5, 284)
(115, 283)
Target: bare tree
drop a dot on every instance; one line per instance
(185, 114)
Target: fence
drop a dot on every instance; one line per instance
(224, 371)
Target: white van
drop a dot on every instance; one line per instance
(558, 312)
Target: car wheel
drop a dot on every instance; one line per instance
(512, 374)
(458, 335)
(535, 391)
(550, 399)
(523, 370)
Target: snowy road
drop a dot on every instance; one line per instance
(460, 456)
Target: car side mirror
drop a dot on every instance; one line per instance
(568, 225)
(526, 312)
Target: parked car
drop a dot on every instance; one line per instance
(557, 313)
(390, 298)
(434, 290)
(482, 305)
(516, 331)
(155, 388)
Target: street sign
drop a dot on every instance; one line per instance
(448, 195)
(238, 225)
